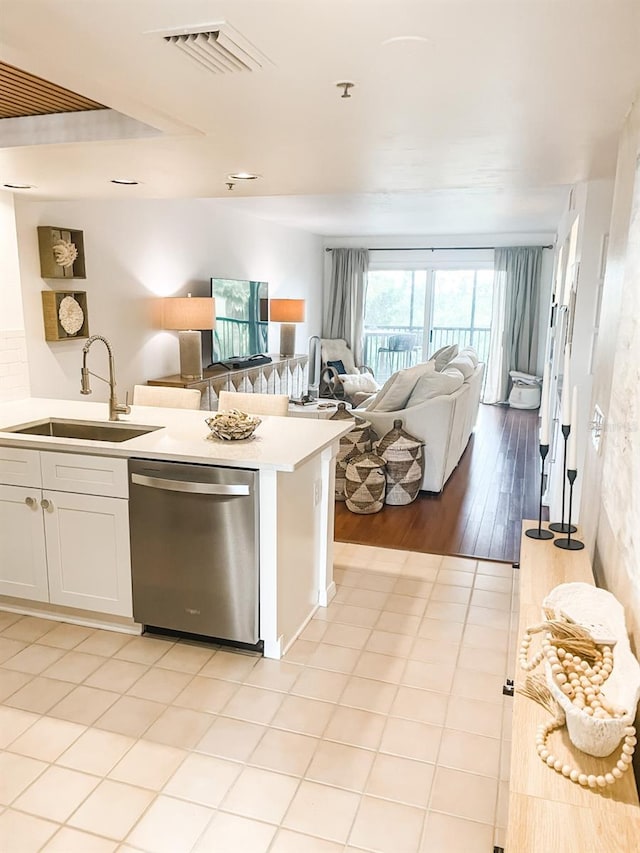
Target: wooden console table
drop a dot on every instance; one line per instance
(546, 811)
(280, 376)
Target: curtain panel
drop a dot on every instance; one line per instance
(344, 307)
(514, 328)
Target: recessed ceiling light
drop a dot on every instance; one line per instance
(243, 176)
(400, 39)
(19, 186)
(127, 182)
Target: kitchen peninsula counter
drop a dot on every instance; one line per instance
(279, 444)
(295, 458)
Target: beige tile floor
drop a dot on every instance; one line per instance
(383, 729)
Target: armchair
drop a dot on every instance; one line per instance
(340, 377)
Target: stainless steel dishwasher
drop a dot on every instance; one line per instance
(194, 548)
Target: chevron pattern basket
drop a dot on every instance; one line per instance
(404, 460)
(357, 441)
(365, 483)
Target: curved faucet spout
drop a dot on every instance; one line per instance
(115, 408)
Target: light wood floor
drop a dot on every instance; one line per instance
(479, 512)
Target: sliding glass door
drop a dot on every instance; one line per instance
(411, 313)
(394, 315)
(461, 302)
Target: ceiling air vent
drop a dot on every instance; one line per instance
(220, 48)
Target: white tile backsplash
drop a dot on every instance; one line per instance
(14, 370)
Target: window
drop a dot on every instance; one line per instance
(461, 309)
(411, 313)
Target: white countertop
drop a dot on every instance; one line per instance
(280, 444)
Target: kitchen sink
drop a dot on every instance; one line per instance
(88, 430)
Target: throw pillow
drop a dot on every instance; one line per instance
(443, 356)
(473, 355)
(464, 364)
(337, 350)
(338, 366)
(435, 385)
(397, 389)
(354, 383)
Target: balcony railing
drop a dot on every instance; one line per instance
(236, 337)
(384, 363)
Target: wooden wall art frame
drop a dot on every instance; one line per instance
(48, 236)
(54, 329)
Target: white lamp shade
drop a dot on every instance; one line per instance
(188, 312)
(287, 310)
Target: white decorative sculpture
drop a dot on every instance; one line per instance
(65, 253)
(597, 609)
(592, 678)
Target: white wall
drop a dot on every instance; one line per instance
(591, 202)
(137, 250)
(611, 508)
(14, 374)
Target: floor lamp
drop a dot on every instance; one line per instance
(188, 315)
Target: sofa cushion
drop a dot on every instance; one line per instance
(463, 363)
(473, 355)
(435, 385)
(397, 389)
(443, 356)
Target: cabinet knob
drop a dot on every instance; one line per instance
(30, 502)
(46, 504)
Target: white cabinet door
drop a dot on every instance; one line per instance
(23, 563)
(88, 552)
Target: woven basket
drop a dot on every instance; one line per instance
(365, 483)
(359, 440)
(404, 460)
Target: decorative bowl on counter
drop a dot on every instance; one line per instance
(233, 425)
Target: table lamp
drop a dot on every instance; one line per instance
(288, 312)
(187, 315)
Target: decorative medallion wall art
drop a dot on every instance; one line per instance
(61, 252)
(70, 315)
(65, 314)
(65, 252)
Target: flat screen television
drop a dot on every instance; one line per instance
(242, 314)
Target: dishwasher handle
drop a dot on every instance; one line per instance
(188, 486)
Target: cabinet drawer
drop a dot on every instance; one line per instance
(20, 467)
(89, 475)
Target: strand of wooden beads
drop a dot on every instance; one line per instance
(581, 681)
(586, 781)
(526, 664)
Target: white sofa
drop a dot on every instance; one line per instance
(444, 423)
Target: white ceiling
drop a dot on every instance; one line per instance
(477, 125)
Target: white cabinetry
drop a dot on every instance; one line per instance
(23, 564)
(64, 530)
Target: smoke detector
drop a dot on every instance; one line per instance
(219, 48)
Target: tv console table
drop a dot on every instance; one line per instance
(280, 376)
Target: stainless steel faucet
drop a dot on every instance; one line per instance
(115, 408)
